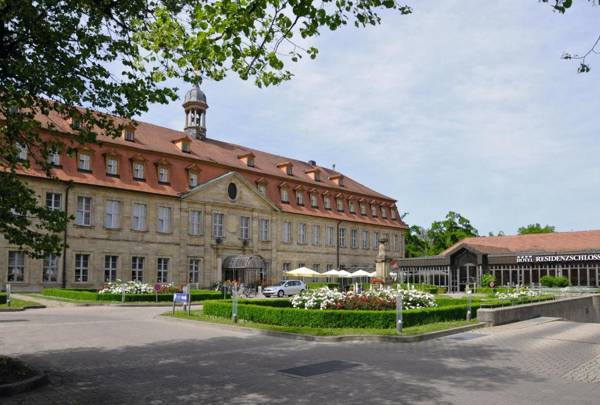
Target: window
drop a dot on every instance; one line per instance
(129, 135)
(110, 268)
(218, 220)
(316, 235)
(383, 212)
(373, 210)
(299, 197)
(250, 161)
(328, 267)
(316, 267)
(54, 158)
(285, 195)
(363, 209)
(244, 228)
(85, 162)
(193, 270)
(75, 123)
(393, 213)
(50, 268)
(289, 171)
(365, 241)
(138, 220)
(81, 268)
(195, 222)
(396, 242)
(314, 202)
(262, 189)
(287, 232)
(185, 147)
(192, 179)
(340, 204)
(375, 240)
(84, 211)
(342, 237)
(137, 268)
(232, 191)
(286, 267)
(354, 238)
(112, 167)
(53, 201)
(351, 207)
(138, 171)
(317, 175)
(164, 219)
(329, 236)
(264, 229)
(162, 270)
(327, 203)
(163, 174)
(301, 234)
(22, 152)
(16, 266)
(111, 216)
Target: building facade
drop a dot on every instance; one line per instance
(159, 205)
(513, 260)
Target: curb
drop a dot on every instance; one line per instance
(343, 338)
(39, 379)
(22, 309)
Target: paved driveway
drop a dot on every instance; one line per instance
(108, 355)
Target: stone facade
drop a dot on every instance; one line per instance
(179, 245)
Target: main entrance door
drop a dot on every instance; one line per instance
(248, 270)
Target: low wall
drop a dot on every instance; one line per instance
(580, 309)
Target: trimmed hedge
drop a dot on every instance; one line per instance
(554, 281)
(197, 295)
(315, 286)
(315, 318)
(2, 298)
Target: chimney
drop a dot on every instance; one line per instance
(312, 162)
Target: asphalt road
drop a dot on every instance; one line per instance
(112, 355)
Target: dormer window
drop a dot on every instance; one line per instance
(287, 168)
(163, 174)
(184, 144)
(247, 159)
(314, 202)
(285, 196)
(393, 213)
(327, 202)
(314, 174)
(373, 210)
(299, 197)
(383, 212)
(185, 147)
(338, 179)
(129, 134)
(112, 166)
(351, 207)
(84, 162)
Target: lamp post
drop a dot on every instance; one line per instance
(399, 298)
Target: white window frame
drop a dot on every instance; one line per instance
(139, 170)
(112, 166)
(342, 237)
(376, 240)
(340, 204)
(192, 179)
(351, 207)
(164, 219)
(366, 240)
(354, 238)
(54, 158)
(244, 228)
(53, 201)
(264, 229)
(82, 267)
(316, 234)
(218, 224)
(327, 202)
(163, 174)
(193, 269)
(195, 222)
(285, 195)
(138, 219)
(299, 197)
(137, 268)
(110, 268)
(16, 266)
(314, 201)
(84, 162)
(262, 188)
(287, 232)
(162, 269)
(22, 154)
(50, 268)
(301, 234)
(330, 235)
(83, 216)
(112, 214)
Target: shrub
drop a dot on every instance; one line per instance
(487, 279)
(2, 298)
(315, 318)
(316, 286)
(196, 295)
(552, 281)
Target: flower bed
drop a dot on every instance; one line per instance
(131, 287)
(325, 298)
(328, 318)
(514, 295)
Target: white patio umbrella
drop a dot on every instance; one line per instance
(303, 272)
(344, 274)
(331, 273)
(373, 273)
(361, 273)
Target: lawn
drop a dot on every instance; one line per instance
(18, 304)
(414, 330)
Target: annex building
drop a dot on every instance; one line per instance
(513, 260)
(161, 205)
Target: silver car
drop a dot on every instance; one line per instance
(285, 288)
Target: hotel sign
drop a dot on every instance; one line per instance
(558, 258)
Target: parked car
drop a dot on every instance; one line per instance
(285, 288)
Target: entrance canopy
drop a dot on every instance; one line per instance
(242, 268)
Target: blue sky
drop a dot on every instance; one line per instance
(463, 105)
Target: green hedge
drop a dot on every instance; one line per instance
(2, 298)
(315, 318)
(552, 281)
(315, 286)
(197, 295)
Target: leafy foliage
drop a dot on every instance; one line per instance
(554, 281)
(535, 228)
(114, 58)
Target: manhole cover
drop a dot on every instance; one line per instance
(467, 336)
(319, 368)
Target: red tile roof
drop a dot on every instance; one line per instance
(213, 158)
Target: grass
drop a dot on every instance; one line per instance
(414, 330)
(18, 304)
(96, 302)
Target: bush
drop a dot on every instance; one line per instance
(429, 288)
(316, 318)
(316, 286)
(487, 279)
(197, 295)
(2, 298)
(552, 281)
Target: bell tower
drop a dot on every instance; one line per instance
(195, 108)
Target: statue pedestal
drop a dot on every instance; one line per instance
(382, 262)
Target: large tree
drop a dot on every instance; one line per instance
(114, 57)
(440, 236)
(535, 228)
